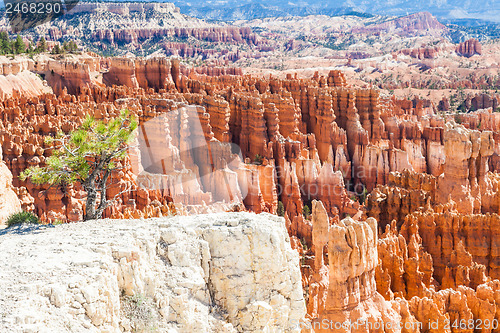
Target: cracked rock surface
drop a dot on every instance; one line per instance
(226, 272)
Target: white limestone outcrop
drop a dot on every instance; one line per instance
(227, 272)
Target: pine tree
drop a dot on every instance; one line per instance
(5, 47)
(89, 155)
(364, 195)
(30, 49)
(306, 211)
(42, 45)
(19, 46)
(70, 46)
(73, 47)
(56, 49)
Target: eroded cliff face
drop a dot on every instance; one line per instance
(438, 253)
(343, 290)
(9, 202)
(215, 34)
(210, 273)
(439, 266)
(18, 80)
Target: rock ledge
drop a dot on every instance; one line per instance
(227, 272)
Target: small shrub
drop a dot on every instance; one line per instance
(57, 222)
(281, 209)
(140, 311)
(304, 244)
(22, 217)
(306, 211)
(258, 159)
(363, 195)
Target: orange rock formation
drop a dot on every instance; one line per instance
(469, 48)
(421, 246)
(9, 202)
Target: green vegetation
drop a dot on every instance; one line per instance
(280, 211)
(336, 44)
(304, 244)
(362, 197)
(139, 310)
(70, 47)
(57, 222)
(88, 155)
(56, 49)
(13, 47)
(457, 101)
(462, 108)
(42, 45)
(22, 217)
(306, 211)
(18, 46)
(486, 30)
(5, 43)
(258, 159)
(67, 47)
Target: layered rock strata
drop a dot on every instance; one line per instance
(320, 136)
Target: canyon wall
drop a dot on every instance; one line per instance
(231, 35)
(17, 79)
(438, 251)
(411, 25)
(123, 8)
(300, 139)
